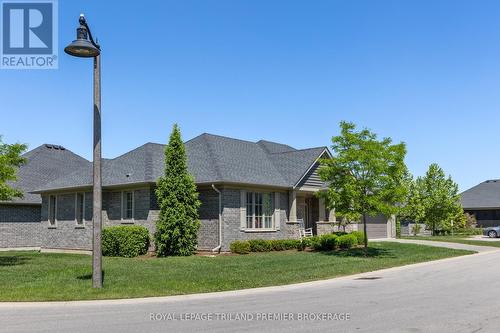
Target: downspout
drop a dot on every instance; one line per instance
(220, 220)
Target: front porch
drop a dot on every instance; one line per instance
(310, 211)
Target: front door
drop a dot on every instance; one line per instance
(307, 220)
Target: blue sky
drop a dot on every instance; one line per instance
(423, 72)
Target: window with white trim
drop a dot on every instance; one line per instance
(260, 210)
(128, 205)
(80, 208)
(52, 210)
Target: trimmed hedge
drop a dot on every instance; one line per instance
(125, 241)
(285, 244)
(347, 241)
(260, 245)
(240, 247)
(327, 242)
(264, 245)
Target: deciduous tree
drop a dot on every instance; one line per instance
(10, 161)
(366, 175)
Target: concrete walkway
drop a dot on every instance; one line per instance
(448, 245)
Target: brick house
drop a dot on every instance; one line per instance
(247, 189)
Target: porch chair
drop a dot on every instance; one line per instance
(303, 232)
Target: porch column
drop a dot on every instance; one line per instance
(331, 216)
(292, 199)
(322, 210)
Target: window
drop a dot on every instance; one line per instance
(259, 207)
(128, 205)
(80, 208)
(52, 210)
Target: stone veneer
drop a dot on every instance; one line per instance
(66, 234)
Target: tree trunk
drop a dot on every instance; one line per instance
(364, 231)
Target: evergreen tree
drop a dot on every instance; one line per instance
(178, 224)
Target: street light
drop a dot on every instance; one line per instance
(83, 48)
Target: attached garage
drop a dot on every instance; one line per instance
(379, 227)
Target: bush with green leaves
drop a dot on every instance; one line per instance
(125, 241)
(265, 245)
(260, 245)
(240, 247)
(468, 231)
(398, 228)
(360, 236)
(347, 241)
(313, 242)
(285, 244)
(328, 242)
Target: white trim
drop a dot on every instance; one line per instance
(82, 225)
(52, 226)
(127, 220)
(272, 216)
(277, 211)
(312, 165)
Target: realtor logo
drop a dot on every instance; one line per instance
(29, 34)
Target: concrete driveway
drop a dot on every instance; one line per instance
(451, 295)
(484, 238)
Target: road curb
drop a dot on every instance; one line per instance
(231, 293)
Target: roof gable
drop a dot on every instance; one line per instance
(483, 195)
(211, 159)
(44, 164)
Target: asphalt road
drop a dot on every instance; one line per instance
(451, 295)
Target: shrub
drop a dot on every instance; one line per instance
(347, 241)
(325, 242)
(263, 245)
(260, 245)
(313, 242)
(468, 231)
(328, 242)
(125, 241)
(284, 244)
(417, 228)
(398, 229)
(339, 233)
(240, 247)
(360, 236)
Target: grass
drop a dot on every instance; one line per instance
(455, 239)
(33, 276)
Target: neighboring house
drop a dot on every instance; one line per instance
(20, 218)
(483, 201)
(247, 189)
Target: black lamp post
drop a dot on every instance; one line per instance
(83, 48)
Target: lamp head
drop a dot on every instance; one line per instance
(81, 46)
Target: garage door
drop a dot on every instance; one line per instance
(376, 227)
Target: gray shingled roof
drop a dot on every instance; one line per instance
(44, 164)
(483, 195)
(211, 159)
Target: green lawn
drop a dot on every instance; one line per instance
(33, 276)
(455, 239)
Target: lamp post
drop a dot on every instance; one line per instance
(83, 48)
